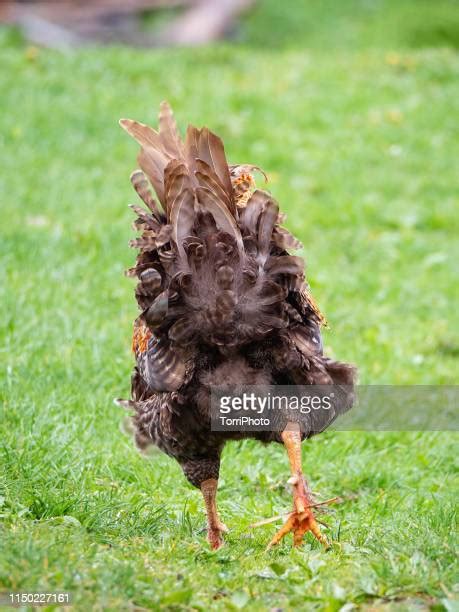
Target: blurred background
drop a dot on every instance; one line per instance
(352, 110)
(300, 23)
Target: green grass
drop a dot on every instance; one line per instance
(356, 24)
(361, 146)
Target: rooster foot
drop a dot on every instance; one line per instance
(214, 535)
(299, 523)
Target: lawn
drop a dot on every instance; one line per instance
(358, 133)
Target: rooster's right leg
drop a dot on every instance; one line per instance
(203, 474)
(215, 528)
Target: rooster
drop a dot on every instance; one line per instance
(222, 303)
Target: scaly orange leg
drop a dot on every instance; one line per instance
(215, 527)
(301, 520)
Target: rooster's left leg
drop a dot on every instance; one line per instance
(301, 519)
(215, 527)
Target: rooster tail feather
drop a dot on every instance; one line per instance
(206, 268)
(168, 132)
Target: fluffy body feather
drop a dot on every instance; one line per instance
(222, 301)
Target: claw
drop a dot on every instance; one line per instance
(299, 523)
(215, 533)
(214, 536)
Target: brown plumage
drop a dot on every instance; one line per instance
(222, 302)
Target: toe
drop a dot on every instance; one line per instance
(287, 527)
